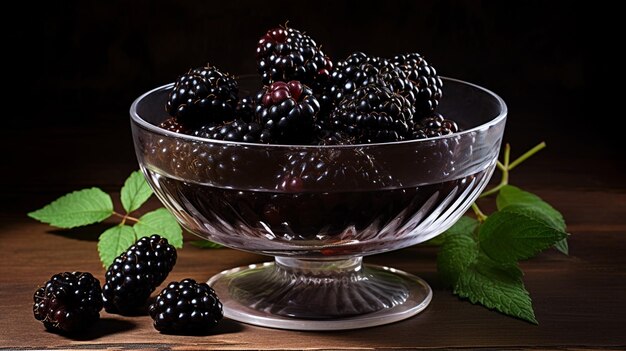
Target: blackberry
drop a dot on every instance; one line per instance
(173, 125)
(434, 126)
(373, 114)
(135, 274)
(427, 83)
(238, 130)
(329, 168)
(245, 109)
(203, 95)
(285, 54)
(332, 137)
(359, 70)
(186, 308)
(288, 111)
(68, 302)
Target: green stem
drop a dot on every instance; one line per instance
(504, 168)
(526, 155)
(125, 217)
(479, 214)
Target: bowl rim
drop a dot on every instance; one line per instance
(155, 129)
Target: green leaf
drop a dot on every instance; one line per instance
(135, 191)
(76, 209)
(113, 242)
(161, 222)
(464, 226)
(205, 244)
(496, 286)
(456, 254)
(511, 196)
(516, 233)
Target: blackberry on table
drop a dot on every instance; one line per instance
(373, 114)
(427, 83)
(288, 110)
(68, 302)
(134, 275)
(186, 308)
(203, 95)
(285, 54)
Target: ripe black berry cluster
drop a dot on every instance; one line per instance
(306, 99)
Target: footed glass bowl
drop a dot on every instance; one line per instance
(319, 209)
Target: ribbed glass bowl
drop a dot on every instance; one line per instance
(319, 209)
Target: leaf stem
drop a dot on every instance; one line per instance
(125, 217)
(526, 155)
(479, 214)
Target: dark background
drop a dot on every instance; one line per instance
(75, 68)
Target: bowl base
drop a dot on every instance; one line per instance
(302, 294)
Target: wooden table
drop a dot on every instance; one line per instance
(578, 300)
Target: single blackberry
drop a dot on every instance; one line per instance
(186, 308)
(359, 70)
(135, 274)
(373, 114)
(173, 125)
(427, 83)
(237, 130)
(288, 111)
(285, 54)
(203, 95)
(356, 71)
(245, 109)
(434, 126)
(68, 302)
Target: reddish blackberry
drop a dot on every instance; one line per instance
(285, 54)
(238, 130)
(186, 308)
(135, 274)
(427, 83)
(68, 302)
(288, 111)
(173, 125)
(245, 109)
(203, 95)
(373, 114)
(434, 126)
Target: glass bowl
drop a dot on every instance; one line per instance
(319, 209)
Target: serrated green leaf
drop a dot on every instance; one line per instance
(161, 222)
(205, 244)
(562, 246)
(113, 242)
(456, 254)
(516, 234)
(76, 209)
(465, 225)
(135, 191)
(496, 286)
(513, 196)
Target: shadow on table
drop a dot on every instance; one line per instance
(104, 327)
(87, 233)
